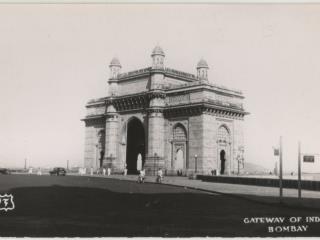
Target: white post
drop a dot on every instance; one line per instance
(195, 162)
(280, 175)
(299, 171)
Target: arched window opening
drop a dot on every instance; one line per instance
(179, 133)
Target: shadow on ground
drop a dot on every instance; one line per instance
(63, 211)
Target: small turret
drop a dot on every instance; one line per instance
(202, 69)
(115, 68)
(157, 58)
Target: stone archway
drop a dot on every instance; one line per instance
(224, 146)
(179, 149)
(135, 145)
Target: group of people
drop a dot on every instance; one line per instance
(82, 171)
(142, 176)
(102, 171)
(39, 172)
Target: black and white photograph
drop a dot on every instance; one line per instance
(160, 120)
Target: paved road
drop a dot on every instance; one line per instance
(8, 182)
(227, 188)
(88, 206)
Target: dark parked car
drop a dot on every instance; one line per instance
(4, 171)
(58, 171)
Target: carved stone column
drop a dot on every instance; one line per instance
(111, 141)
(156, 132)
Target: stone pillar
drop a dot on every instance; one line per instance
(156, 133)
(110, 156)
(155, 156)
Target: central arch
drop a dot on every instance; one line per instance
(135, 145)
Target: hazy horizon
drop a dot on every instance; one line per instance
(55, 57)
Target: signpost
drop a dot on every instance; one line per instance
(299, 170)
(308, 158)
(280, 168)
(195, 162)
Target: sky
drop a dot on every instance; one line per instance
(55, 57)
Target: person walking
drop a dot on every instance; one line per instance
(142, 175)
(109, 171)
(159, 176)
(104, 171)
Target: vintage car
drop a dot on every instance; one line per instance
(58, 171)
(4, 171)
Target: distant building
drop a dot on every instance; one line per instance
(171, 119)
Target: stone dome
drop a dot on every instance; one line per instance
(115, 62)
(157, 51)
(111, 109)
(202, 64)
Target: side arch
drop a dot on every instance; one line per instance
(179, 155)
(223, 149)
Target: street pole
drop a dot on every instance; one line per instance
(154, 164)
(67, 164)
(195, 159)
(280, 175)
(238, 158)
(97, 156)
(299, 171)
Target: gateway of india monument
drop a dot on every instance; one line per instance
(165, 118)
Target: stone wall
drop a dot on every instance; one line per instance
(133, 86)
(174, 81)
(238, 144)
(196, 132)
(91, 154)
(209, 146)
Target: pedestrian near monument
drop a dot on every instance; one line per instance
(104, 171)
(139, 162)
(141, 176)
(159, 176)
(109, 171)
(91, 171)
